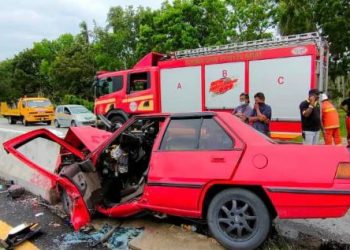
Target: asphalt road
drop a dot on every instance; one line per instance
(20, 128)
(26, 210)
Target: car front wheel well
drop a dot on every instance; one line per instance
(258, 190)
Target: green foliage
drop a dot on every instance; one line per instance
(67, 65)
(72, 99)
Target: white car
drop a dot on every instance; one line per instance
(73, 115)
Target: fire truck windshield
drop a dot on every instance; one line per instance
(108, 85)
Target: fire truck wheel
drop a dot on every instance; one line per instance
(57, 125)
(117, 120)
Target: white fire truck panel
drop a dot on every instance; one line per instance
(223, 85)
(285, 83)
(181, 89)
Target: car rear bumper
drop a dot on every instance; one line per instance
(293, 203)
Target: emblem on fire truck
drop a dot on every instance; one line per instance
(222, 85)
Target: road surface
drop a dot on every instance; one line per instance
(20, 128)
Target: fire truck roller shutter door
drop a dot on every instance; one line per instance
(223, 85)
(181, 89)
(285, 83)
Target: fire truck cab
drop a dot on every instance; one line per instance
(212, 78)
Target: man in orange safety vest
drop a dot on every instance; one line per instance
(330, 122)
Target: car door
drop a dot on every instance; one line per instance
(59, 111)
(80, 215)
(193, 152)
(66, 117)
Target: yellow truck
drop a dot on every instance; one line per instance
(29, 110)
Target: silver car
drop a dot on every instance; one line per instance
(73, 115)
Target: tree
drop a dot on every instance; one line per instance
(296, 16)
(8, 92)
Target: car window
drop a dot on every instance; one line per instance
(181, 134)
(66, 111)
(195, 134)
(59, 110)
(79, 110)
(213, 136)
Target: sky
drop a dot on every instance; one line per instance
(23, 22)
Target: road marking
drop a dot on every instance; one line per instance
(5, 229)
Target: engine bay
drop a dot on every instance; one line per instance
(121, 169)
(124, 163)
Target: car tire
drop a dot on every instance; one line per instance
(117, 120)
(67, 202)
(73, 124)
(57, 125)
(25, 123)
(238, 219)
(11, 120)
(48, 123)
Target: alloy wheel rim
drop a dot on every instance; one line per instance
(237, 219)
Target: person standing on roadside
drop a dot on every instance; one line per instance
(330, 121)
(243, 111)
(310, 117)
(346, 106)
(261, 114)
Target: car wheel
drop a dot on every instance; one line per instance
(57, 125)
(117, 120)
(25, 123)
(73, 124)
(66, 202)
(238, 219)
(48, 123)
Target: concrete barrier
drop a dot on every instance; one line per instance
(40, 151)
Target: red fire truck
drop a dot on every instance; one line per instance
(212, 78)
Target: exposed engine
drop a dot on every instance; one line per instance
(125, 162)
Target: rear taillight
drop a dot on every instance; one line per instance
(343, 171)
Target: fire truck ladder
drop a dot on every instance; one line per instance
(251, 45)
(314, 37)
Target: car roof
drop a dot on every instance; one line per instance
(71, 105)
(244, 131)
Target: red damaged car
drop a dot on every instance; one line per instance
(200, 165)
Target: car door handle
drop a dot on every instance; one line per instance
(218, 159)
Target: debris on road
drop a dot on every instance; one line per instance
(55, 209)
(54, 224)
(39, 214)
(192, 228)
(19, 234)
(15, 191)
(111, 237)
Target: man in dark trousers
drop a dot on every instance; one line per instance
(310, 118)
(346, 106)
(261, 114)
